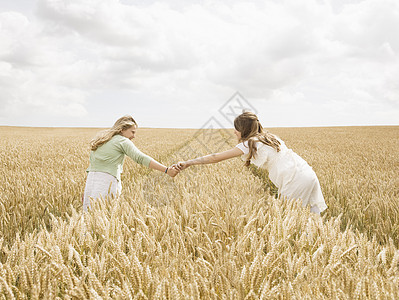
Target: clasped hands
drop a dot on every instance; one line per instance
(175, 169)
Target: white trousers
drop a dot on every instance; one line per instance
(100, 184)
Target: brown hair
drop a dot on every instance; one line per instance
(104, 136)
(252, 131)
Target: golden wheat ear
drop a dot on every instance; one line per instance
(211, 233)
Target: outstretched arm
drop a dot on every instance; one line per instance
(134, 153)
(171, 171)
(211, 158)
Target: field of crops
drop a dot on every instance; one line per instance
(212, 232)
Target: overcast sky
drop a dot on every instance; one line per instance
(176, 63)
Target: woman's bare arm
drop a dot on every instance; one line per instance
(171, 171)
(211, 158)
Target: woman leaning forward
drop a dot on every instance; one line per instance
(108, 151)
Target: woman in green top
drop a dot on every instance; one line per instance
(108, 150)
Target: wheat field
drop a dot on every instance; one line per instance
(212, 232)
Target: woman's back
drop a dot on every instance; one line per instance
(291, 174)
(281, 165)
(109, 157)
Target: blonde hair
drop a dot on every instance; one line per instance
(252, 131)
(104, 136)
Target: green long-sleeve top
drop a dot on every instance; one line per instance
(109, 157)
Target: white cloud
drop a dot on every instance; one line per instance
(369, 24)
(304, 58)
(31, 84)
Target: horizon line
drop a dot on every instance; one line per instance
(145, 127)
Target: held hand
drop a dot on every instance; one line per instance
(173, 171)
(181, 165)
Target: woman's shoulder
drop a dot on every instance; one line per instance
(119, 138)
(124, 143)
(243, 146)
(282, 143)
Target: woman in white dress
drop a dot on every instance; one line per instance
(293, 177)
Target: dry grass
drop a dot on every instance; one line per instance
(213, 232)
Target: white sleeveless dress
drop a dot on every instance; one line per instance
(291, 174)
